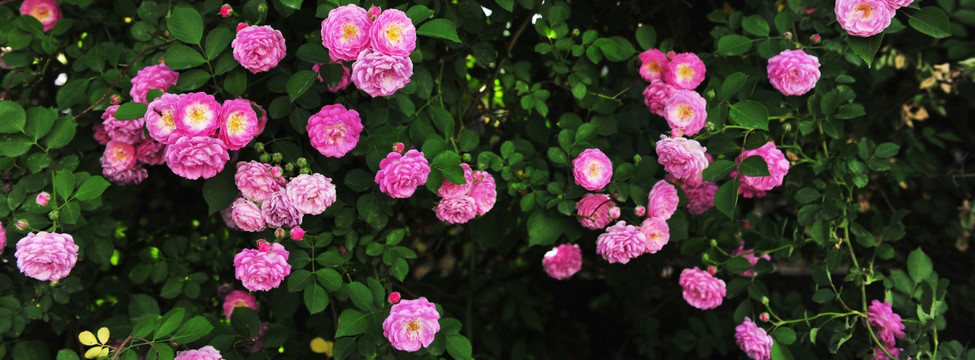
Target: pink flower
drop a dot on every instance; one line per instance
(593, 210)
(3, 238)
(129, 131)
(885, 323)
(378, 74)
(484, 192)
(621, 243)
(46, 256)
(863, 17)
(343, 83)
(161, 118)
(750, 256)
(238, 123)
(412, 324)
(278, 211)
(393, 34)
(700, 197)
(247, 216)
(456, 210)
(297, 233)
(793, 72)
(753, 340)
(685, 71)
(238, 299)
(701, 289)
(46, 11)
(99, 133)
(42, 198)
(159, 77)
(563, 261)
(151, 152)
(131, 176)
(262, 270)
(118, 156)
(683, 158)
(203, 353)
(639, 210)
(399, 175)
(241, 26)
(686, 113)
(653, 64)
(345, 32)
(193, 157)
(334, 130)
(897, 4)
(311, 194)
(657, 232)
(662, 201)
(225, 10)
(227, 214)
(258, 48)
(22, 225)
(656, 95)
(255, 181)
(449, 189)
(592, 169)
(197, 114)
(778, 167)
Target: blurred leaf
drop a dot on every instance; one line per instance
(919, 265)
(755, 25)
(439, 28)
(646, 36)
(131, 111)
(733, 44)
(350, 323)
(186, 24)
(193, 329)
(749, 113)
(754, 166)
(931, 21)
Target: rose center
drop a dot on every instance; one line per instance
(167, 120)
(684, 112)
(235, 123)
(240, 303)
(685, 72)
(198, 114)
(349, 30)
(653, 67)
(594, 170)
(334, 132)
(865, 10)
(413, 326)
(394, 33)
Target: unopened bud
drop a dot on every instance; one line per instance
(276, 171)
(342, 249)
(22, 225)
(764, 300)
(671, 54)
(809, 11)
(763, 316)
(374, 12)
(815, 38)
(226, 10)
(54, 215)
(42, 198)
(263, 245)
(712, 270)
(394, 296)
(398, 147)
(614, 212)
(787, 35)
(279, 233)
(640, 210)
(466, 157)
(277, 157)
(747, 224)
(636, 159)
(289, 167)
(714, 243)
(297, 233)
(241, 26)
(116, 99)
(265, 158)
(301, 162)
(259, 147)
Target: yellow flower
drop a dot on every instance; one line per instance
(99, 348)
(320, 346)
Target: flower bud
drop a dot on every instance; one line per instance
(301, 162)
(276, 171)
(398, 147)
(54, 215)
(263, 245)
(636, 159)
(42, 198)
(640, 210)
(712, 270)
(241, 26)
(277, 157)
(225, 10)
(374, 12)
(394, 297)
(746, 224)
(297, 233)
(115, 99)
(787, 35)
(265, 158)
(289, 167)
(259, 147)
(764, 300)
(815, 38)
(279, 233)
(614, 212)
(466, 157)
(763, 316)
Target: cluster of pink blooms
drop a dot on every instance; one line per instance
(887, 326)
(258, 48)
(334, 130)
(400, 174)
(700, 196)
(237, 299)
(262, 269)
(673, 78)
(270, 201)
(621, 243)
(379, 43)
(701, 289)
(867, 17)
(127, 149)
(412, 324)
(461, 203)
(793, 72)
(753, 340)
(563, 261)
(778, 167)
(46, 256)
(204, 353)
(750, 256)
(46, 11)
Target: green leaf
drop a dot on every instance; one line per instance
(806, 195)
(299, 83)
(62, 133)
(315, 298)
(351, 323)
(458, 346)
(737, 265)
(543, 228)
(557, 13)
(193, 329)
(718, 169)
(615, 48)
(785, 335)
(781, 352)
(170, 322)
(646, 36)
(754, 166)
(131, 111)
(65, 354)
(313, 52)
(733, 44)
(442, 120)
(13, 145)
(92, 188)
(731, 85)
(919, 265)
(419, 13)
(931, 21)
(186, 24)
(886, 150)
(726, 198)
(235, 82)
(40, 120)
(749, 113)
(219, 191)
(755, 25)
(866, 48)
(64, 184)
(448, 163)
(217, 41)
(181, 57)
(13, 117)
(361, 296)
(294, 4)
(399, 269)
(439, 28)
(506, 4)
(72, 93)
(783, 21)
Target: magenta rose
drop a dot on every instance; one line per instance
(863, 18)
(686, 113)
(378, 74)
(278, 211)
(700, 197)
(345, 32)
(778, 167)
(701, 289)
(159, 77)
(151, 152)
(753, 340)
(262, 269)
(657, 232)
(393, 33)
(399, 175)
(593, 210)
(592, 169)
(131, 176)
(621, 243)
(256, 181)
(258, 48)
(195, 157)
(655, 96)
(204, 353)
(238, 299)
(793, 72)
(247, 215)
(118, 156)
(456, 210)
(46, 11)
(197, 114)
(449, 189)
(662, 200)
(685, 71)
(238, 123)
(653, 64)
(412, 324)
(885, 323)
(46, 256)
(683, 158)
(563, 261)
(311, 194)
(484, 192)
(334, 130)
(161, 119)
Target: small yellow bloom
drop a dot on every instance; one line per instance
(320, 346)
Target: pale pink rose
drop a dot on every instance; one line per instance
(345, 32)
(593, 210)
(399, 175)
(343, 83)
(131, 176)
(701, 289)
(793, 72)
(118, 156)
(750, 256)
(863, 17)
(685, 71)
(886, 324)
(897, 4)
(653, 64)
(778, 167)
(258, 48)
(563, 261)
(753, 340)
(46, 256)
(238, 123)
(640, 210)
(655, 96)
(683, 158)
(592, 169)
(197, 114)
(686, 113)
(46, 11)
(456, 210)
(255, 180)
(412, 324)
(700, 197)
(393, 33)
(151, 152)
(203, 353)
(238, 299)
(247, 216)
(161, 118)
(662, 200)
(484, 191)
(621, 243)
(159, 77)
(193, 157)
(311, 194)
(262, 270)
(129, 131)
(100, 135)
(334, 130)
(278, 211)
(657, 232)
(378, 74)
(449, 189)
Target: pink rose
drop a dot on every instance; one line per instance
(197, 114)
(46, 11)
(456, 210)
(278, 211)
(449, 189)
(99, 133)
(129, 131)
(131, 176)
(592, 169)
(778, 167)
(662, 200)
(753, 340)
(393, 33)
(412, 324)
(3, 238)
(297, 233)
(653, 64)
(793, 72)
(657, 232)
(203, 353)
(750, 256)
(700, 197)
(46, 256)
(399, 175)
(885, 323)
(118, 156)
(151, 152)
(42, 198)
(161, 119)
(378, 74)
(701, 289)
(621, 243)
(238, 299)
(159, 77)
(334, 130)
(238, 123)
(227, 214)
(685, 71)
(656, 95)
(345, 32)
(343, 83)
(686, 113)
(484, 192)
(593, 210)
(863, 18)
(563, 261)
(683, 158)
(258, 48)
(262, 270)
(193, 157)
(897, 4)
(247, 216)
(311, 194)
(255, 181)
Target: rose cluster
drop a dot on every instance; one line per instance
(127, 149)
(379, 43)
(268, 200)
(461, 203)
(888, 327)
(866, 18)
(262, 269)
(673, 78)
